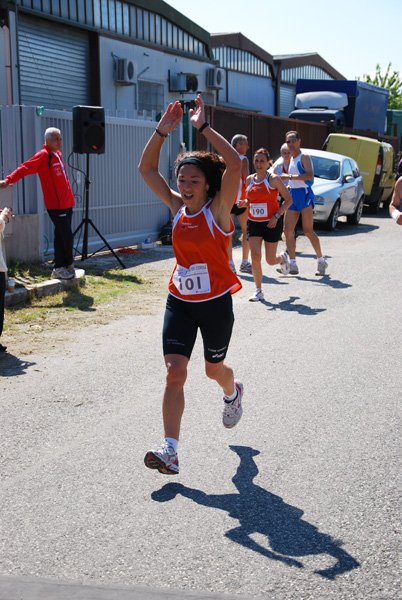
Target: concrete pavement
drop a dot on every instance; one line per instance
(301, 500)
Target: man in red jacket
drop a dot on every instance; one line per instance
(57, 196)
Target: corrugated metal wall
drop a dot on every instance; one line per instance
(54, 64)
(287, 100)
(121, 206)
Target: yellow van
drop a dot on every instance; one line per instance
(376, 164)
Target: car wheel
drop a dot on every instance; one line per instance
(333, 217)
(355, 218)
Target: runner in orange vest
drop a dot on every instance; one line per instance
(202, 283)
(265, 222)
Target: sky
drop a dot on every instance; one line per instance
(353, 36)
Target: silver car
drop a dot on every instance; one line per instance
(338, 188)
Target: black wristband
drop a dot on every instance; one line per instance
(203, 126)
(161, 134)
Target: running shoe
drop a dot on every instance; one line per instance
(62, 273)
(321, 266)
(232, 266)
(294, 269)
(232, 411)
(257, 296)
(164, 458)
(285, 266)
(245, 267)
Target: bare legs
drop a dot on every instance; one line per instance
(173, 396)
(271, 257)
(291, 218)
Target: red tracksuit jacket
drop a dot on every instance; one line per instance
(56, 187)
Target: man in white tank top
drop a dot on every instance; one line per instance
(299, 178)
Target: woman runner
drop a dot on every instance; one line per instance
(202, 282)
(265, 221)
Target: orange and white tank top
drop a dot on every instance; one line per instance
(241, 194)
(263, 200)
(202, 269)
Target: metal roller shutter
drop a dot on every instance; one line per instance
(54, 64)
(287, 103)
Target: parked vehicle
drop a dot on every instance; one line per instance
(338, 188)
(355, 104)
(376, 164)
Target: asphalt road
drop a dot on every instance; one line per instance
(302, 500)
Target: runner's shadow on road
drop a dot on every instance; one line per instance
(325, 280)
(11, 365)
(290, 306)
(261, 512)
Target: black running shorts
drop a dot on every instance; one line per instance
(237, 211)
(260, 229)
(214, 318)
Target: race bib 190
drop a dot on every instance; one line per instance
(194, 280)
(259, 211)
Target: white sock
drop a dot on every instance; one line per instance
(229, 399)
(172, 442)
(322, 259)
(293, 262)
(244, 261)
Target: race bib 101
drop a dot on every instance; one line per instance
(194, 280)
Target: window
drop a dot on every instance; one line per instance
(112, 16)
(105, 15)
(158, 36)
(152, 27)
(97, 13)
(347, 169)
(126, 19)
(150, 97)
(164, 32)
(119, 17)
(140, 29)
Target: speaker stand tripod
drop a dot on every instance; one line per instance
(86, 221)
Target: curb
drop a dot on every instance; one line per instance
(45, 288)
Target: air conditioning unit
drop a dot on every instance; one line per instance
(215, 78)
(183, 82)
(177, 82)
(191, 82)
(123, 72)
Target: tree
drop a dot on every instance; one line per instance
(392, 82)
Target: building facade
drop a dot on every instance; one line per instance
(132, 56)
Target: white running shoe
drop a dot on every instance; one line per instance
(294, 269)
(285, 266)
(232, 266)
(62, 273)
(232, 411)
(164, 458)
(321, 266)
(245, 267)
(257, 296)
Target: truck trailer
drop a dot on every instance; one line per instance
(352, 104)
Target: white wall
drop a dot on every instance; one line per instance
(157, 65)
(251, 91)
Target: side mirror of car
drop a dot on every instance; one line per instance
(348, 179)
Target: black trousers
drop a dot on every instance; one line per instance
(63, 236)
(2, 294)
